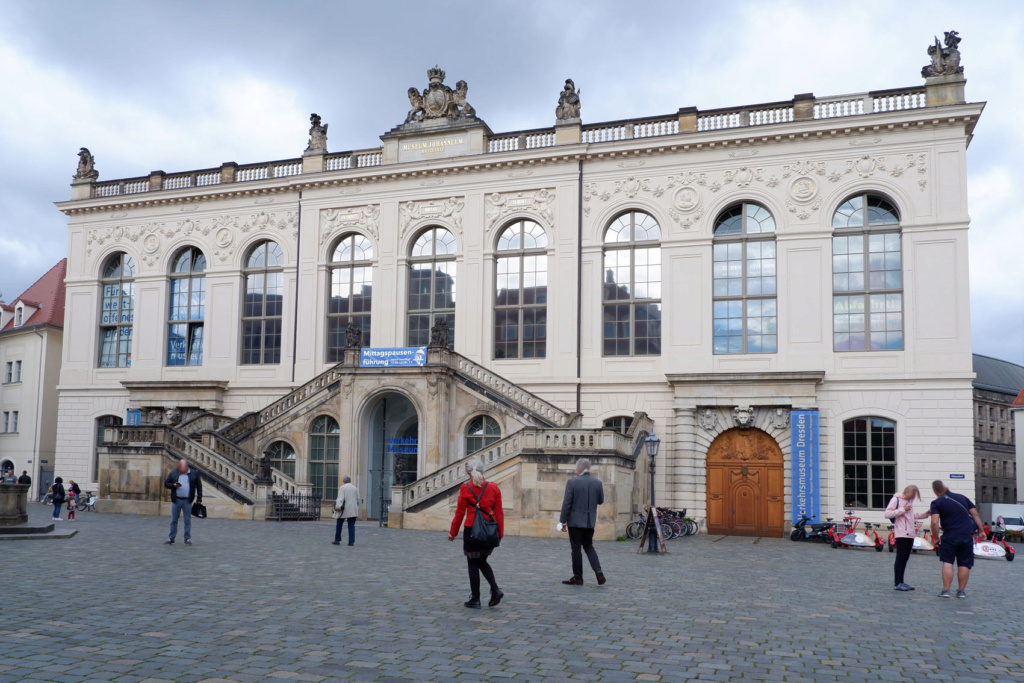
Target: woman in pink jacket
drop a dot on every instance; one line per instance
(901, 511)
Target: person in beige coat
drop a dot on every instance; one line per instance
(346, 507)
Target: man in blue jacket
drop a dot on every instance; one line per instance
(186, 487)
(583, 494)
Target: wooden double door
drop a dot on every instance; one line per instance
(745, 485)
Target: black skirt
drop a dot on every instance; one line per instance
(471, 548)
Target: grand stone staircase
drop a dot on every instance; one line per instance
(221, 448)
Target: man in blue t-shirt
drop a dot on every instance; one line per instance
(960, 523)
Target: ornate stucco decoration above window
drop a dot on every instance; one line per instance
(450, 210)
(365, 218)
(707, 418)
(540, 203)
(216, 233)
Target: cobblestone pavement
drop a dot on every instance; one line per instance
(253, 601)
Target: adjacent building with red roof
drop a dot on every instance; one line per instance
(31, 339)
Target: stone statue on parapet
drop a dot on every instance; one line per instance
(438, 101)
(317, 136)
(440, 335)
(86, 166)
(353, 336)
(266, 475)
(945, 59)
(568, 108)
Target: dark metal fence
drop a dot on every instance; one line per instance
(297, 507)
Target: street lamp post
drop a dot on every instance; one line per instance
(652, 443)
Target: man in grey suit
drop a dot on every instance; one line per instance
(579, 516)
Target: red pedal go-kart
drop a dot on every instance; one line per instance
(922, 542)
(995, 549)
(845, 535)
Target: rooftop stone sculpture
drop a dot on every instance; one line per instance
(945, 60)
(568, 108)
(438, 100)
(317, 136)
(86, 166)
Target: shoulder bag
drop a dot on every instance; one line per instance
(485, 528)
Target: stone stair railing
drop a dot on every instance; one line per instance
(491, 381)
(218, 459)
(574, 442)
(204, 422)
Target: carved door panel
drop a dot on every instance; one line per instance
(775, 502)
(745, 502)
(717, 523)
(745, 484)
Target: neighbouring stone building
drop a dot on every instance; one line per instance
(31, 346)
(559, 291)
(1017, 411)
(996, 384)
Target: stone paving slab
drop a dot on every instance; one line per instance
(266, 601)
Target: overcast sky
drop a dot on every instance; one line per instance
(183, 85)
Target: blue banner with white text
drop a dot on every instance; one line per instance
(405, 357)
(804, 448)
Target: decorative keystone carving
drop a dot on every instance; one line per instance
(450, 208)
(945, 60)
(540, 202)
(707, 418)
(438, 100)
(568, 109)
(779, 418)
(86, 166)
(366, 218)
(743, 416)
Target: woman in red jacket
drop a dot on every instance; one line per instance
(476, 554)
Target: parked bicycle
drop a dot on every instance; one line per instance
(674, 523)
(88, 502)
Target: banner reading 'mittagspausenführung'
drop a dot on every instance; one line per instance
(404, 357)
(806, 457)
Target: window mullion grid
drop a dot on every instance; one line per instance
(632, 293)
(743, 296)
(520, 328)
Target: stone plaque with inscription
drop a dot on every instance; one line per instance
(435, 147)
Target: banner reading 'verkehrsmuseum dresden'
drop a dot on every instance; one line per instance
(804, 446)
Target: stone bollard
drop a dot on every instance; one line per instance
(13, 504)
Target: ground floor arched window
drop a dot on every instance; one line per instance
(481, 432)
(282, 457)
(323, 457)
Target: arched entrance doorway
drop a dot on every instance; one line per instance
(745, 486)
(393, 448)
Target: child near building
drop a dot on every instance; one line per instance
(72, 505)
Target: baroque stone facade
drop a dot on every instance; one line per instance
(446, 200)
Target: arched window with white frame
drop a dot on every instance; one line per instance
(521, 292)
(867, 275)
(263, 305)
(117, 314)
(631, 310)
(350, 295)
(187, 312)
(744, 281)
(431, 285)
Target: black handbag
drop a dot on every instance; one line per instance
(199, 510)
(485, 528)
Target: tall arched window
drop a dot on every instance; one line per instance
(431, 285)
(631, 314)
(323, 457)
(869, 462)
(118, 311)
(282, 457)
(262, 308)
(102, 423)
(351, 289)
(521, 292)
(744, 284)
(867, 276)
(481, 432)
(187, 309)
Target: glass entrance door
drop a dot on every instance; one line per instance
(394, 450)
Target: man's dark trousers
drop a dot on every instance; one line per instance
(582, 538)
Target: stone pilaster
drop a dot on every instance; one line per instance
(568, 133)
(803, 106)
(312, 162)
(688, 120)
(227, 172)
(81, 188)
(156, 181)
(687, 463)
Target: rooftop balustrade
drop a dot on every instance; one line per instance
(685, 122)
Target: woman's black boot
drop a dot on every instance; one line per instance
(474, 602)
(496, 596)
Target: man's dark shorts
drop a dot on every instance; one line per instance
(959, 548)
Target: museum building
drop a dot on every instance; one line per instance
(535, 296)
